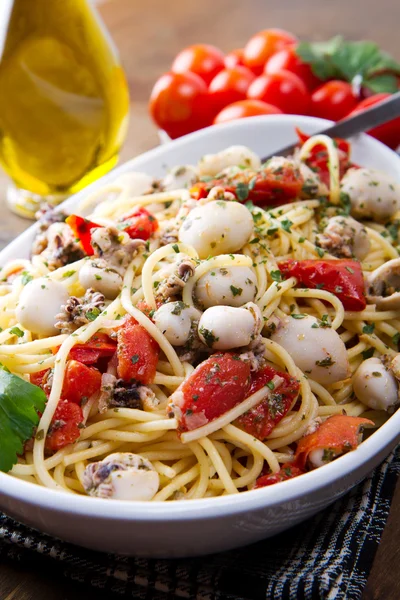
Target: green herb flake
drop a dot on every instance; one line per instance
(209, 337)
(242, 191)
(17, 331)
(286, 225)
(26, 278)
(369, 328)
(135, 359)
(368, 353)
(325, 362)
(236, 291)
(92, 314)
(70, 273)
(176, 248)
(276, 275)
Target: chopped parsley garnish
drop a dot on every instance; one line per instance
(368, 353)
(208, 336)
(135, 359)
(70, 273)
(350, 270)
(276, 275)
(236, 291)
(20, 404)
(369, 328)
(92, 314)
(242, 191)
(396, 339)
(325, 362)
(270, 385)
(272, 230)
(178, 308)
(17, 331)
(286, 225)
(328, 455)
(254, 240)
(26, 278)
(298, 316)
(320, 252)
(176, 248)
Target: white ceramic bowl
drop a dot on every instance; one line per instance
(198, 527)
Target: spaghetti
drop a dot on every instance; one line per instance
(183, 274)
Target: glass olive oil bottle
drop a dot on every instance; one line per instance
(63, 99)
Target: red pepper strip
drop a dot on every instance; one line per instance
(140, 225)
(266, 187)
(318, 158)
(82, 230)
(99, 346)
(338, 434)
(343, 278)
(287, 471)
(260, 420)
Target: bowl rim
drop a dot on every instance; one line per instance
(205, 508)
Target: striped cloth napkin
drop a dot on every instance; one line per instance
(327, 557)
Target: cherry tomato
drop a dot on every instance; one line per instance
(287, 471)
(80, 381)
(214, 387)
(284, 90)
(203, 59)
(263, 45)
(137, 353)
(260, 420)
(177, 103)
(230, 85)
(287, 59)
(333, 100)
(246, 108)
(65, 426)
(140, 225)
(234, 59)
(388, 133)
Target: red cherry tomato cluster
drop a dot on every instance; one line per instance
(206, 87)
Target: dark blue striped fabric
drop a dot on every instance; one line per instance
(327, 557)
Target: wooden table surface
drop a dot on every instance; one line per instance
(148, 34)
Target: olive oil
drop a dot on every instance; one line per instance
(63, 96)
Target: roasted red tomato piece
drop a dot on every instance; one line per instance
(343, 278)
(260, 420)
(99, 346)
(39, 378)
(140, 225)
(318, 159)
(287, 471)
(267, 187)
(137, 353)
(80, 381)
(65, 427)
(337, 435)
(82, 230)
(214, 387)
